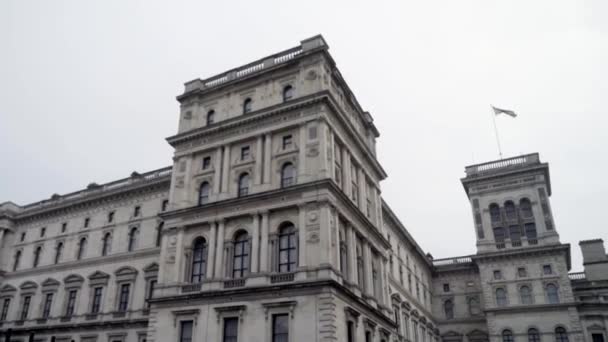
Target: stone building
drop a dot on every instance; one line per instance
(270, 226)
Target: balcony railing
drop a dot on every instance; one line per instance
(452, 261)
(282, 278)
(191, 287)
(577, 276)
(228, 284)
(503, 164)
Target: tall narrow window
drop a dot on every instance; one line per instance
(26, 307)
(58, 252)
(499, 234)
(525, 208)
(552, 296)
(165, 205)
(82, 246)
(17, 260)
(96, 304)
(203, 193)
(368, 336)
(280, 328)
(159, 234)
(343, 256)
(199, 260)
(474, 308)
(530, 231)
(150, 294)
(42, 232)
(48, 303)
(247, 105)
(287, 142)
(185, 333)
(37, 254)
(525, 294)
(206, 163)
(243, 185)
(110, 217)
(123, 302)
(288, 175)
(133, 234)
(106, 243)
(64, 227)
(136, 211)
(288, 93)
(87, 220)
(71, 303)
(288, 249)
(501, 297)
(231, 329)
(240, 265)
(245, 152)
(507, 336)
(448, 308)
(494, 212)
(350, 331)
(210, 117)
(561, 335)
(515, 235)
(533, 335)
(360, 275)
(510, 210)
(5, 306)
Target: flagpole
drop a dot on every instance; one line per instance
(496, 132)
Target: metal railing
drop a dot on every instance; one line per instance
(577, 276)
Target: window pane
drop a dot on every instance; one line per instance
(186, 331)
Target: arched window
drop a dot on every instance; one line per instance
(494, 212)
(525, 294)
(501, 297)
(288, 175)
(510, 210)
(37, 253)
(288, 248)
(58, 252)
(474, 307)
(241, 255)
(448, 308)
(287, 93)
(203, 193)
(533, 335)
(82, 246)
(525, 208)
(133, 234)
(199, 260)
(507, 336)
(210, 117)
(247, 105)
(561, 335)
(106, 243)
(552, 296)
(243, 185)
(17, 260)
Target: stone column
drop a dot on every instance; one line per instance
(226, 170)
(255, 243)
(217, 178)
(336, 239)
(367, 269)
(220, 250)
(362, 191)
(302, 175)
(258, 161)
(267, 158)
(212, 244)
(351, 253)
(264, 243)
(179, 256)
(302, 235)
(1, 236)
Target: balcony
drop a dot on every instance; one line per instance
(282, 278)
(228, 284)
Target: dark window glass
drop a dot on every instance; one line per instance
(525, 294)
(510, 210)
(287, 142)
(446, 287)
(26, 307)
(137, 211)
(203, 193)
(288, 248)
(133, 234)
(368, 336)
(312, 132)
(22, 236)
(552, 295)
(499, 234)
(243, 184)
(37, 253)
(231, 329)
(64, 227)
(150, 294)
(71, 303)
(206, 163)
(123, 302)
(42, 231)
(448, 307)
(360, 275)
(494, 212)
(245, 152)
(497, 274)
(165, 205)
(350, 331)
(515, 234)
(288, 93)
(58, 252)
(280, 328)
(501, 297)
(530, 229)
(199, 260)
(533, 335)
(288, 175)
(86, 222)
(561, 335)
(82, 245)
(507, 336)
(547, 269)
(247, 105)
(240, 265)
(185, 334)
(521, 272)
(594, 338)
(111, 216)
(96, 305)
(5, 307)
(525, 207)
(159, 233)
(210, 117)
(17, 260)
(105, 248)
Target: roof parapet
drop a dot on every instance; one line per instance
(499, 166)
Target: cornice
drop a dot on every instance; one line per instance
(530, 308)
(87, 326)
(524, 252)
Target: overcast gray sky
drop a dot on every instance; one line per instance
(87, 93)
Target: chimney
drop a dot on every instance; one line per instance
(595, 259)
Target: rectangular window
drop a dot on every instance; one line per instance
(312, 132)
(26, 307)
(521, 272)
(206, 163)
(185, 333)
(123, 302)
(48, 303)
(350, 331)
(446, 287)
(547, 269)
(245, 152)
(137, 211)
(64, 227)
(71, 304)
(287, 142)
(22, 236)
(96, 305)
(164, 205)
(110, 217)
(5, 306)
(280, 328)
(42, 232)
(150, 292)
(86, 222)
(497, 274)
(368, 336)
(231, 329)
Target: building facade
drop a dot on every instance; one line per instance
(270, 226)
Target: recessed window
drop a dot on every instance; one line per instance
(17, 260)
(245, 152)
(288, 248)
(552, 295)
(507, 336)
(37, 254)
(71, 303)
(312, 132)
(58, 252)
(231, 329)
(525, 207)
(497, 274)
(521, 272)
(42, 232)
(448, 308)
(501, 297)
(48, 302)
(5, 306)
(561, 335)
(288, 175)
(25, 308)
(199, 260)
(547, 269)
(241, 255)
(525, 294)
(123, 302)
(287, 142)
(133, 234)
(210, 117)
(110, 217)
(206, 163)
(164, 205)
(288, 93)
(96, 304)
(185, 334)
(22, 236)
(247, 105)
(86, 222)
(82, 246)
(446, 287)
(243, 184)
(64, 227)
(203, 193)
(106, 243)
(137, 211)
(533, 335)
(280, 328)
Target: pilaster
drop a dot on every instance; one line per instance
(220, 250)
(212, 249)
(264, 243)
(255, 244)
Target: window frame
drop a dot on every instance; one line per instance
(288, 231)
(201, 273)
(288, 180)
(241, 240)
(243, 189)
(288, 92)
(247, 105)
(203, 197)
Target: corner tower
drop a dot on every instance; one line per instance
(510, 203)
